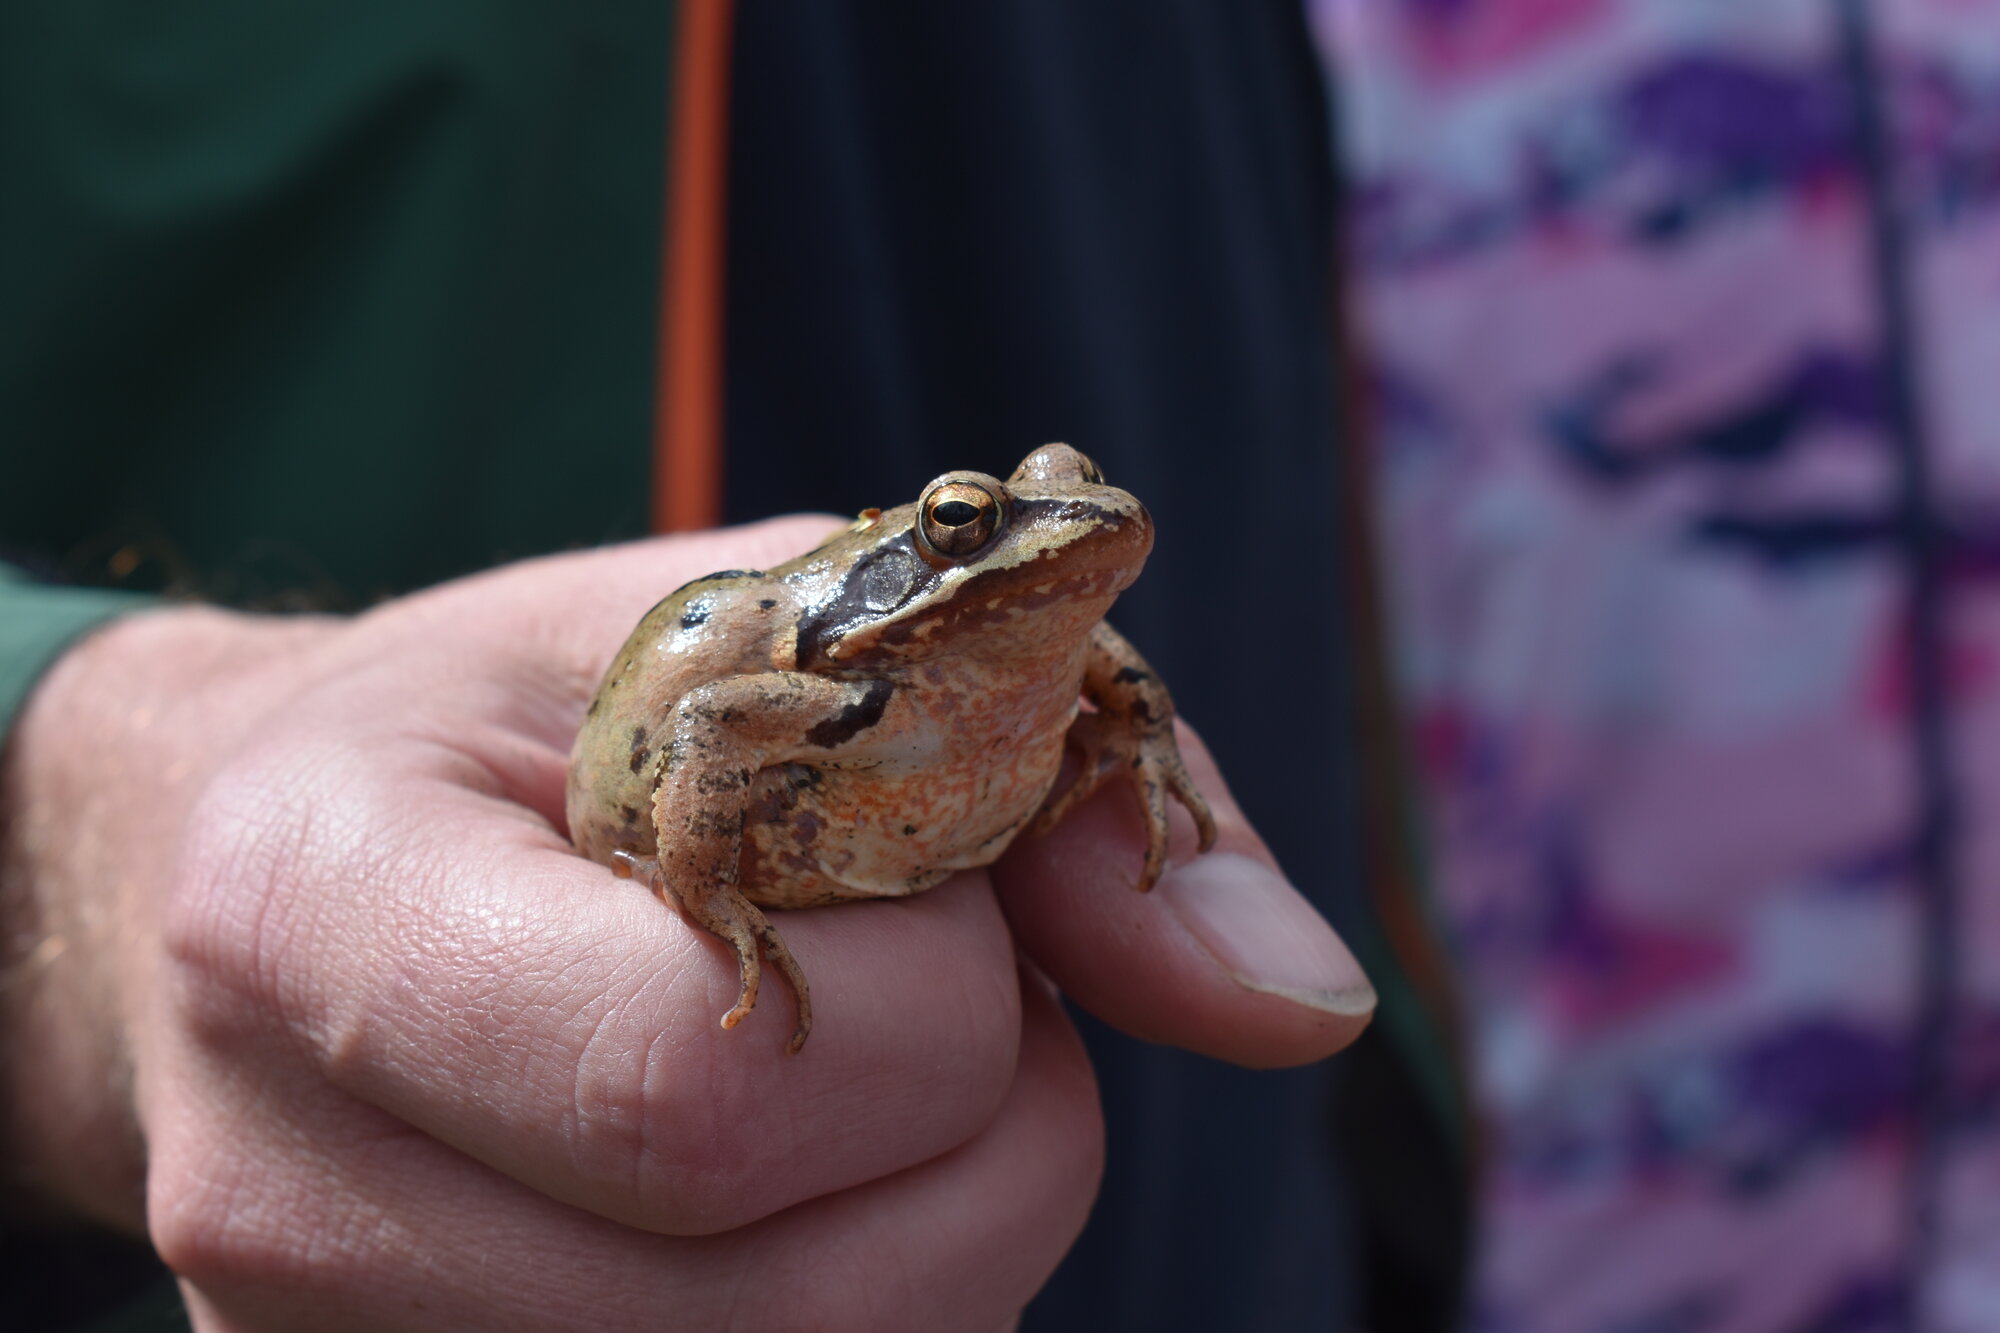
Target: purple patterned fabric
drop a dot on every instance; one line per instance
(1616, 277)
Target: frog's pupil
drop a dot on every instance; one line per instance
(955, 513)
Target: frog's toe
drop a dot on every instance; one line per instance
(1152, 796)
(1157, 772)
(645, 869)
(1193, 802)
(781, 958)
(1059, 806)
(1098, 758)
(746, 998)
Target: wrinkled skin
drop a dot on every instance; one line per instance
(311, 985)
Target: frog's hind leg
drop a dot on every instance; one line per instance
(721, 735)
(735, 918)
(740, 921)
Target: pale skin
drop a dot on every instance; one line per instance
(310, 984)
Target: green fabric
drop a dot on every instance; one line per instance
(36, 624)
(322, 300)
(309, 303)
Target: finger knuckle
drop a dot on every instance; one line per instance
(214, 923)
(661, 1118)
(210, 1226)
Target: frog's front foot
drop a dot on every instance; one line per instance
(1156, 771)
(1151, 761)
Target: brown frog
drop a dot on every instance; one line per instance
(866, 719)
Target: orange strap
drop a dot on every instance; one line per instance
(687, 423)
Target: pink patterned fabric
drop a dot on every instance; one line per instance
(1623, 303)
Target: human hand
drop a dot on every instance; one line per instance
(400, 1059)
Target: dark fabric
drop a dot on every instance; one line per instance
(303, 305)
(326, 299)
(1413, 1233)
(65, 1278)
(961, 231)
(312, 303)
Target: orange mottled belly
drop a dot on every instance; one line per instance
(825, 835)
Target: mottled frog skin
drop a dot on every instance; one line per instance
(884, 710)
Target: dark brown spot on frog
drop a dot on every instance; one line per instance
(766, 603)
(727, 824)
(909, 829)
(630, 814)
(719, 576)
(854, 718)
(641, 752)
(1131, 675)
(704, 712)
(724, 782)
(863, 595)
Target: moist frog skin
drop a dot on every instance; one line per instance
(880, 712)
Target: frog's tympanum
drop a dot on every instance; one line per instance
(893, 706)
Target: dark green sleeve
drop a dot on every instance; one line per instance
(37, 623)
(303, 305)
(312, 303)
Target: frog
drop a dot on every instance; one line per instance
(892, 707)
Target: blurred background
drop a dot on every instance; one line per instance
(1570, 429)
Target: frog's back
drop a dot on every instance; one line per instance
(714, 627)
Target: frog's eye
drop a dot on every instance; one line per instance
(1091, 472)
(958, 518)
